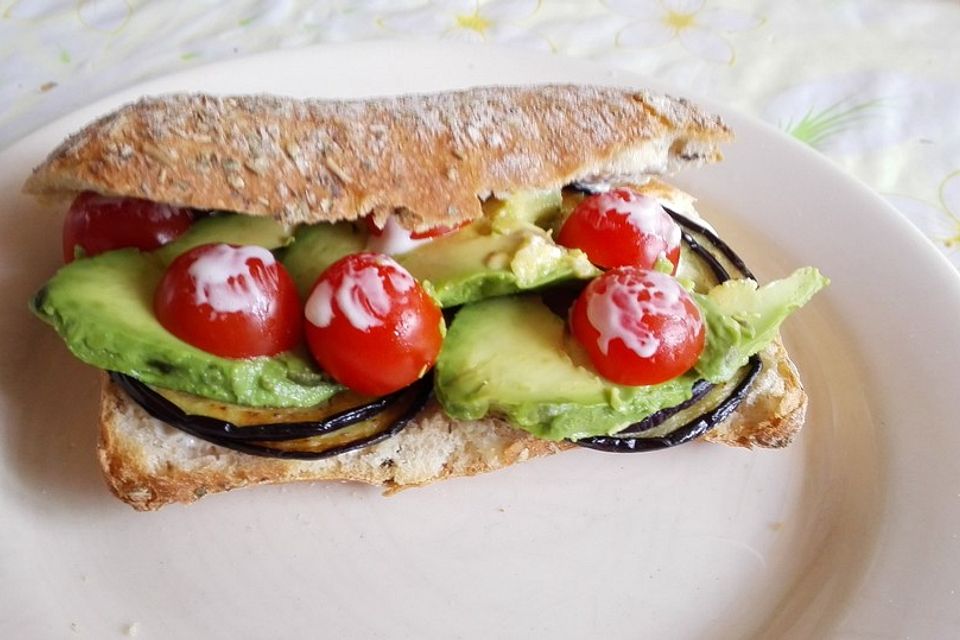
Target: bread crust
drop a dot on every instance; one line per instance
(428, 158)
(149, 464)
(773, 412)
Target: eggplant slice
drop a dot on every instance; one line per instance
(707, 245)
(710, 404)
(370, 422)
(340, 432)
(671, 427)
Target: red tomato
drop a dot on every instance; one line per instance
(417, 235)
(231, 301)
(371, 326)
(622, 228)
(98, 223)
(639, 327)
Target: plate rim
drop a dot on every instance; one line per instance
(933, 260)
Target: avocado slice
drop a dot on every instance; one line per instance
(316, 247)
(103, 309)
(743, 318)
(513, 357)
(229, 228)
(493, 257)
(102, 306)
(542, 208)
(503, 252)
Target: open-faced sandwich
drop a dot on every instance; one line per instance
(400, 290)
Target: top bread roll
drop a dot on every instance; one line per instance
(428, 158)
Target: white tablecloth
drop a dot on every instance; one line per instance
(872, 84)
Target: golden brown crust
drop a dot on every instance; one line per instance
(426, 157)
(773, 412)
(148, 464)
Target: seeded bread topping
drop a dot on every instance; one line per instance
(428, 158)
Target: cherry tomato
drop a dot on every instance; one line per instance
(622, 228)
(371, 326)
(434, 232)
(639, 327)
(98, 223)
(231, 301)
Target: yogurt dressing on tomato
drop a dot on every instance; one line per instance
(361, 296)
(649, 218)
(224, 280)
(617, 310)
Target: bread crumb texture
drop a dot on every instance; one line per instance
(428, 158)
(149, 464)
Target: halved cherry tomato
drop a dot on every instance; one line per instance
(371, 326)
(622, 228)
(232, 301)
(98, 223)
(639, 327)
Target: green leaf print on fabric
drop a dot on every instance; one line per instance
(950, 201)
(815, 127)
(939, 221)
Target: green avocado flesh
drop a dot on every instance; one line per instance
(228, 228)
(316, 247)
(513, 357)
(482, 260)
(102, 306)
(103, 309)
(493, 258)
(502, 253)
(742, 319)
(507, 356)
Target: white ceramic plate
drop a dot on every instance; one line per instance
(850, 533)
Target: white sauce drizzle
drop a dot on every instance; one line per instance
(616, 311)
(224, 280)
(649, 218)
(319, 307)
(394, 239)
(361, 296)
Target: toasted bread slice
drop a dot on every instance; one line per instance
(427, 158)
(149, 464)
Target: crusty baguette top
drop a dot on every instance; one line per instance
(426, 157)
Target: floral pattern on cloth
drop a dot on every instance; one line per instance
(698, 28)
(871, 84)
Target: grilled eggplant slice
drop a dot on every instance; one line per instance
(343, 429)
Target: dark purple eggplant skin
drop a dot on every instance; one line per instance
(715, 240)
(690, 431)
(699, 426)
(718, 271)
(700, 389)
(230, 436)
(244, 439)
(690, 225)
(275, 432)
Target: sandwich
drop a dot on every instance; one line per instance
(400, 290)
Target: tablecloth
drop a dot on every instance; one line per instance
(874, 85)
